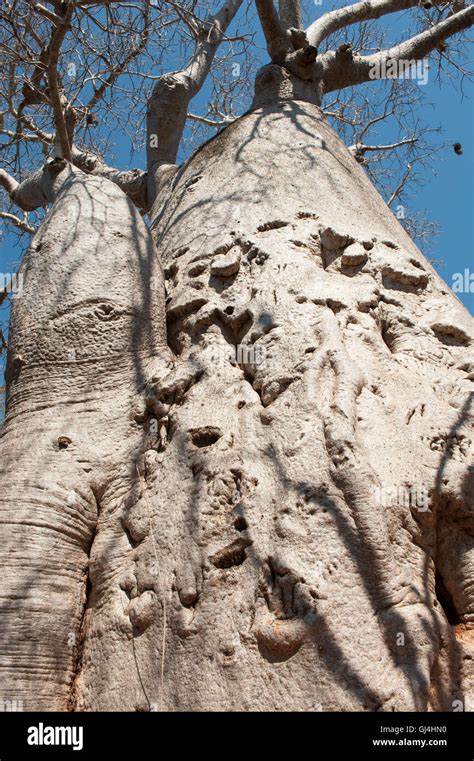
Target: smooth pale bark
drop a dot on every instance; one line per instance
(84, 330)
(286, 586)
(251, 566)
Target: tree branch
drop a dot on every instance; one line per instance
(277, 45)
(8, 182)
(169, 100)
(53, 82)
(400, 186)
(212, 122)
(44, 137)
(380, 117)
(37, 190)
(291, 16)
(133, 182)
(120, 67)
(22, 224)
(362, 148)
(288, 48)
(347, 70)
(352, 14)
(28, 137)
(419, 46)
(50, 15)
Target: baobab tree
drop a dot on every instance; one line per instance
(235, 459)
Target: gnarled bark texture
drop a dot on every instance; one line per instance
(245, 562)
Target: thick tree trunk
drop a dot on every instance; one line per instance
(245, 561)
(84, 332)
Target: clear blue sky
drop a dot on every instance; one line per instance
(448, 194)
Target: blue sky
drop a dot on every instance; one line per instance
(447, 194)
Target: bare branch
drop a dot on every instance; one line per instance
(398, 189)
(44, 137)
(121, 67)
(422, 44)
(277, 45)
(212, 122)
(8, 182)
(362, 148)
(341, 71)
(291, 16)
(53, 82)
(22, 224)
(352, 14)
(187, 17)
(384, 115)
(168, 103)
(50, 15)
(29, 137)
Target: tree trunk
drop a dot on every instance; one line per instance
(84, 333)
(286, 522)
